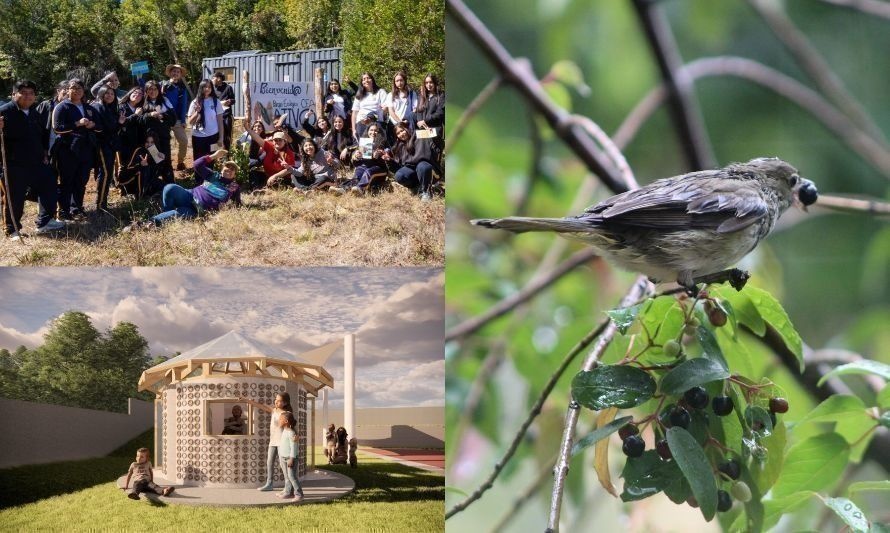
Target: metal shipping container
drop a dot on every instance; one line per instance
(295, 66)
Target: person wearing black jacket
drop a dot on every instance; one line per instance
(430, 113)
(339, 140)
(111, 118)
(159, 116)
(130, 133)
(26, 144)
(226, 95)
(413, 162)
(76, 124)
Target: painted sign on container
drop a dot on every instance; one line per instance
(269, 100)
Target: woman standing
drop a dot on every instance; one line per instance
(430, 114)
(338, 102)
(281, 405)
(111, 119)
(367, 108)
(205, 116)
(159, 116)
(400, 105)
(131, 136)
(75, 124)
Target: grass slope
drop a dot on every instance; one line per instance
(82, 495)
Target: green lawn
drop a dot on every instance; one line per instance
(82, 495)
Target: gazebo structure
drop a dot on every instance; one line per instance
(198, 393)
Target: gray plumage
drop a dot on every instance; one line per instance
(683, 227)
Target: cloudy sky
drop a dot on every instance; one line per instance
(397, 315)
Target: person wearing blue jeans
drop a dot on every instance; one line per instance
(216, 189)
(413, 161)
(282, 404)
(288, 457)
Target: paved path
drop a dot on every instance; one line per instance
(318, 486)
(433, 460)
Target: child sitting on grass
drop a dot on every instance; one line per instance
(143, 478)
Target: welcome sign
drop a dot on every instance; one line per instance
(269, 100)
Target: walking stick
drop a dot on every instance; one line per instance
(7, 204)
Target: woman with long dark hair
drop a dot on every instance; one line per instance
(75, 124)
(159, 116)
(131, 134)
(205, 116)
(111, 118)
(413, 163)
(367, 108)
(337, 101)
(430, 113)
(368, 161)
(400, 105)
(339, 140)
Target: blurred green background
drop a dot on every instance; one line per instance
(830, 271)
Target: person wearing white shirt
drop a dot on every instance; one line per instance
(205, 115)
(400, 105)
(367, 108)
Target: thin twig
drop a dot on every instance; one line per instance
(843, 203)
(521, 76)
(535, 411)
(869, 7)
(610, 147)
(471, 111)
(534, 171)
(639, 290)
(533, 287)
(684, 110)
(530, 491)
(809, 59)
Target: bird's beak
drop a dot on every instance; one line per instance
(805, 194)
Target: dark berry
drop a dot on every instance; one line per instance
(731, 468)
(696, 397)
(663, 449)
(778, 405)
(724, 501)
(627, 430)
(680, 418)
(717, 317)
(633, 446)
(807, 194)
(722, 405)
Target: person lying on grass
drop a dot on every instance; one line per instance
(216, 189)
(143, 477)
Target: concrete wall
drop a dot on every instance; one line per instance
(32, 433)
(392, 427)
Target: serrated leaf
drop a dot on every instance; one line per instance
(865, 366)
(772, 313)
(864, 486)
(598, 434)
(624, 317)
(691, 459)
(834, 408)
(813, 464)
(849, 513)
(647, 475)
(755, 414)
(692, 373)
(601, 452)
(612, 386)
(709, 345)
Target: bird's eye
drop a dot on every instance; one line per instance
(793, 181)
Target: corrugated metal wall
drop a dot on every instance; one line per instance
(275, 66)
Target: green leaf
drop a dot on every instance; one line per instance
(858, 430)
(883, 398)
(612, 386)
(457, 491)
(647, 475)
(663, 320)
(834, 408)
(691, 373)
(754, 413)
(863, 486)
(690, 457)
(766, 473)
(599, 434)
(772, 312)
(679, 491)
(866, 366)
(743, 308)
(849, 513)
(813, 464)
(623, 317)
(710, 347)
(774, 509)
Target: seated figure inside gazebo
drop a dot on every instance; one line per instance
(235, 424)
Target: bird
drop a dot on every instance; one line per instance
(688, 228)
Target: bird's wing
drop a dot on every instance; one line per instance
(698, 201)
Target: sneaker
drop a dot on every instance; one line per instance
(426, 198)
(133, 496)
(15, 236)
(265, 488)
(52, 225)
(357, 190)
(337, 190)
(168, 490)
(298, 498)
(284, 496)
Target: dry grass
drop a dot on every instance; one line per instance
(277, 228)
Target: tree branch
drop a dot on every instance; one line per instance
(535, 411)
(687, 117)
(520, 75)
(859, 205)
(640, 289)
(525, 496)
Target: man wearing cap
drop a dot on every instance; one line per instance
(179, 95)
(226, 95)
(279, 155)
(26, 141)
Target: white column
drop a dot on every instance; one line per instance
(349, 384)
(312, 432)
(325, 416)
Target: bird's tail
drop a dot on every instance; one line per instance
(523, 224)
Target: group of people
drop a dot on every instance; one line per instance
(364, 128)
(125, 137)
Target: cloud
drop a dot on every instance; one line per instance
(11, 338)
